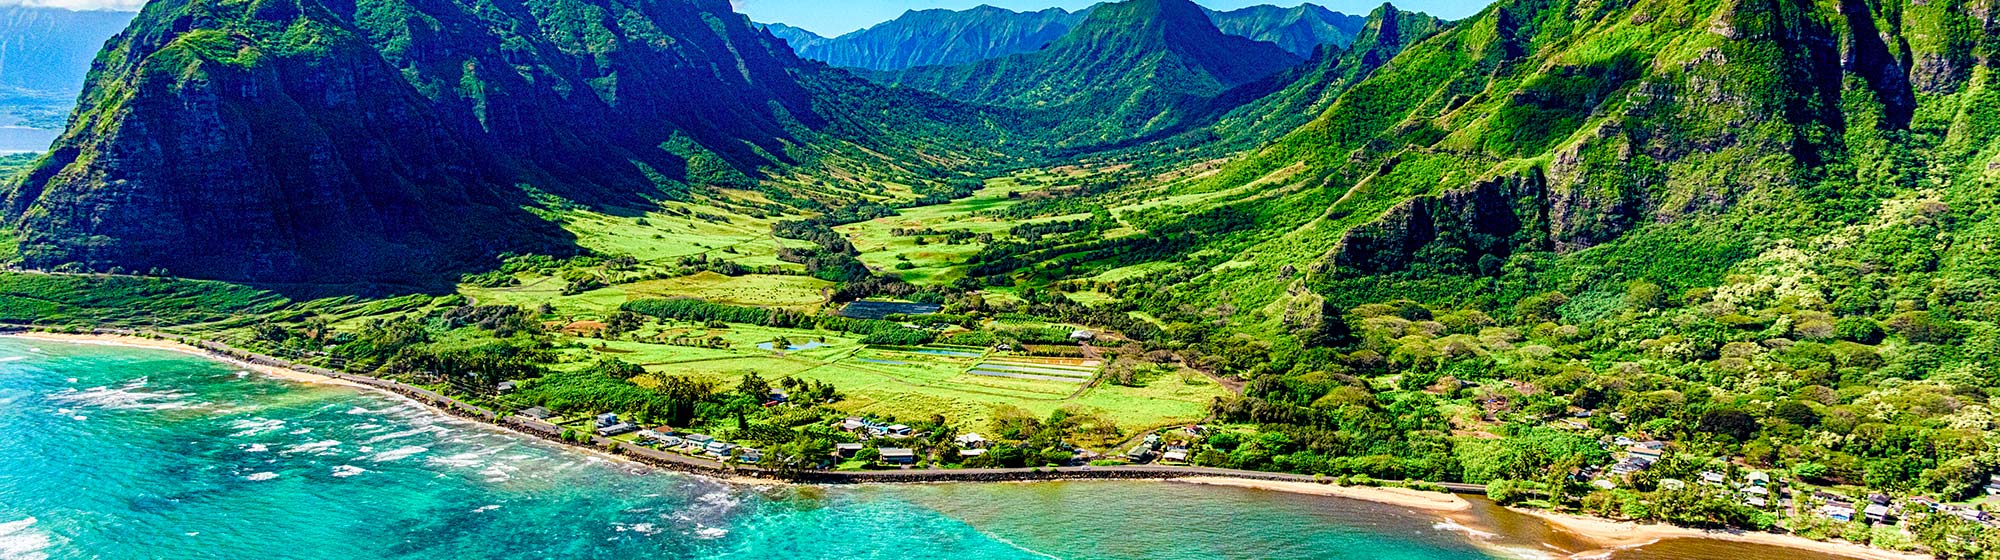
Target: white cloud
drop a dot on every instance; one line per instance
(121, 5)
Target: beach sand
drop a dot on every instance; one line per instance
(162, 344)
(1613, 535)
(1404, 497)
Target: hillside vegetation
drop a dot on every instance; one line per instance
(1759, 235)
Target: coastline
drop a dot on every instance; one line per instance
(1608, 535)
(1403, 497)
(125, 341)
(1611, 535)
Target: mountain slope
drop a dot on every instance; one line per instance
(1270, 108)
(1299, 30)
(382, 141)
(936, 37)
(1129, 69)
(1570, 145)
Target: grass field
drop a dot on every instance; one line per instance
(906, 383)
(935, 261)
(792, 292)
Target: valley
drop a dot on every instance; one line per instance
(1712, 264)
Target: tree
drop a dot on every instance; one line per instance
(1641, 295)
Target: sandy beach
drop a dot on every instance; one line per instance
(1404, 497)
(163, 344)
(1613, 535)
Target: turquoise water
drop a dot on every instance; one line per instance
(126, 453)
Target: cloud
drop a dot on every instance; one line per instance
(120, 5)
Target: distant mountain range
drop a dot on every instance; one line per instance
(1130, 68)
(44, 54)
(948, 37)
(935, 37)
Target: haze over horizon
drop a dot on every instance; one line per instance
(831, 19)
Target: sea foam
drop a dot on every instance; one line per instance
(397, 454)
(20, 540)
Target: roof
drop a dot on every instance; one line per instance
(847, 446)
(898, 452)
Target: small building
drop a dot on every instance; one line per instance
(1838, 512)
(1671, 484)
(1713, 478)
(853, 424)
(750, 456)
(846, 450)
(1642, 450)
(1623, 441)
(718, 448)
(608, 425)
(897, 430)
(1607, 484)
(1993, 485)
(899, 455)
(538, 413)
(1140, 453)
(698, 441)
(1876, 513)
(672, 442)
(970, 441)
(1756, 491)
(1758, 478)
(1756, 502)
(1082, 336)
(973, 452)
(1174, 454)
(504, 387)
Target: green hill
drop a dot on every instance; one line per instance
(295, 141)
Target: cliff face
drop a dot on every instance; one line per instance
(385, 141)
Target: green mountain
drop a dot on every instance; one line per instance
(297, 141)
(1299, 30)
(935, 37)
(1252, 114)
(1576, 147)
(1130, 69)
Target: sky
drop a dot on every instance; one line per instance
(834, 17)
(125, 5)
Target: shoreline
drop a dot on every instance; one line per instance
(1403, 497)
(1610, 535)
(125, 341)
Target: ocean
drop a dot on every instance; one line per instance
(113, 452)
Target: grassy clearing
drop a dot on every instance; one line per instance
(935, 261)
(659, 237)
